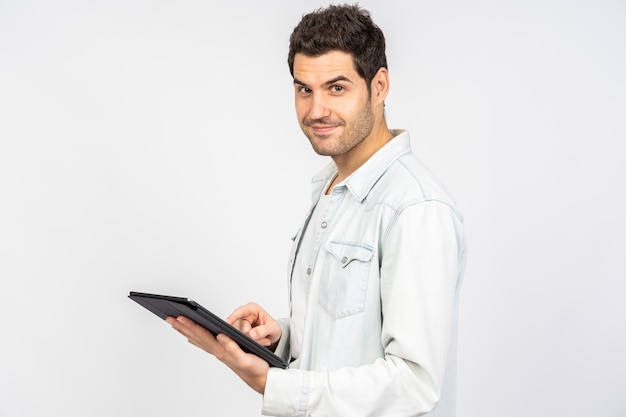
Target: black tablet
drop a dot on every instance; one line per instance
(165, 306)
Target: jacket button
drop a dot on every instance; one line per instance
(344, 260)
(308, 271)
(324, 224)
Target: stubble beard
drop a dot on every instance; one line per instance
(355, 132)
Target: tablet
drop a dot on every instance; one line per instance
(165, 305)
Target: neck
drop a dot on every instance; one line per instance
(351, 161)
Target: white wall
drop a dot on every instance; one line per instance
(152, 146)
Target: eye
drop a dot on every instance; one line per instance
(337, 88)
(303, 90)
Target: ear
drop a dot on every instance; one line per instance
(380, 86)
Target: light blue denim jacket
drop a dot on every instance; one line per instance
(379, 336)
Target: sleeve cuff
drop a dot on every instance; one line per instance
(282, 349)
(285, 392)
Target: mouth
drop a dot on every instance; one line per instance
(323, 130)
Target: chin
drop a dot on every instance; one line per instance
(321, 150)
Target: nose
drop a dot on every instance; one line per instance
(319, 106)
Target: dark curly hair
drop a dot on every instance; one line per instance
(347, 28)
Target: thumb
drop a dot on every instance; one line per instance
(258, 332)
(224, 340)
(263, 335)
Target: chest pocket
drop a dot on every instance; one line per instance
(343, 284)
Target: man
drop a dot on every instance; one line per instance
(375, 269)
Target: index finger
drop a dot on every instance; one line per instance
(248, 312)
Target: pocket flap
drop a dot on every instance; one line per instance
(346, 252)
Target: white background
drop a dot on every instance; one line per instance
(153, 146)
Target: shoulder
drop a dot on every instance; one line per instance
(407, 181)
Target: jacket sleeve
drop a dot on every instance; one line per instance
(422, 260)
(282, 349)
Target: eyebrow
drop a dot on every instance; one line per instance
(327, 83)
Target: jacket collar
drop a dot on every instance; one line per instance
(361, 181)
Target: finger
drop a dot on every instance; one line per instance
(232, 353)
(195, 334)
(259, 332)
(182, 326)
(267, 333)
(243, 326)
(248, 312)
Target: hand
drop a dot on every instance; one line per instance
(257, 324)
(249, 367)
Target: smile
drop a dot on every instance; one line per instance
(323, 129)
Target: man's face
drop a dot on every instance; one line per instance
(332, 103)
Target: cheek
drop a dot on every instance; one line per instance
(351, 106)
(348, 111)
(301, 110)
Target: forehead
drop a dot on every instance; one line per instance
(312, 69)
